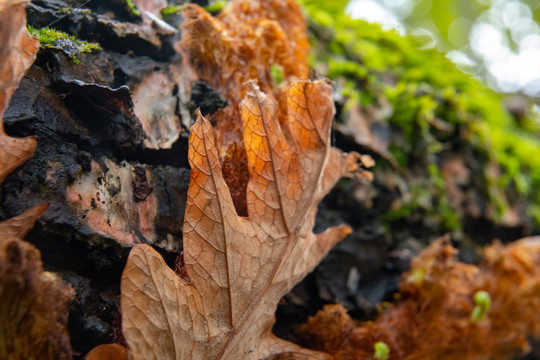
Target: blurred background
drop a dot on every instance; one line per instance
(496, 40)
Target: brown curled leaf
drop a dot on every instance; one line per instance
(33, 302)
(17, 227)
(14, 152)
(239, 267)
(18, 50)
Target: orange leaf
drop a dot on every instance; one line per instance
(239, 267)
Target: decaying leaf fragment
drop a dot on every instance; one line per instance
(243, 43)
(435, 319)
(249, 40)
(239, 267)
(33, 302)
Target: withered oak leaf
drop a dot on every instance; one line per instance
(240, 267)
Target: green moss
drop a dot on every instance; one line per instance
(69, 44)
(435, 107)
(132, 8)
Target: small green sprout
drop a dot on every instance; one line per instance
(277, 74)
(483, 304)
(132, 8)
(381, 351)
(69, 44)
(215, 6)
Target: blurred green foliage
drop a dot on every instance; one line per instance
(497, 40)
(452, 19)
(133, 8)
(171, 10)
(428, 93)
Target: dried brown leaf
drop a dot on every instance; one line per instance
(14, 152)
(17, 227)
(33, 302)
(239, 267)
(18, 50)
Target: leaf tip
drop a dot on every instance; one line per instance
(344, 231)
(199, 114)
(200, 117)
(253, 90)
(18, 226)
(140, 250)
(40, 209)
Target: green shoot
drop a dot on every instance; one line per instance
(381, 351)
(215, 6)
(483, 304)
(276, 72)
